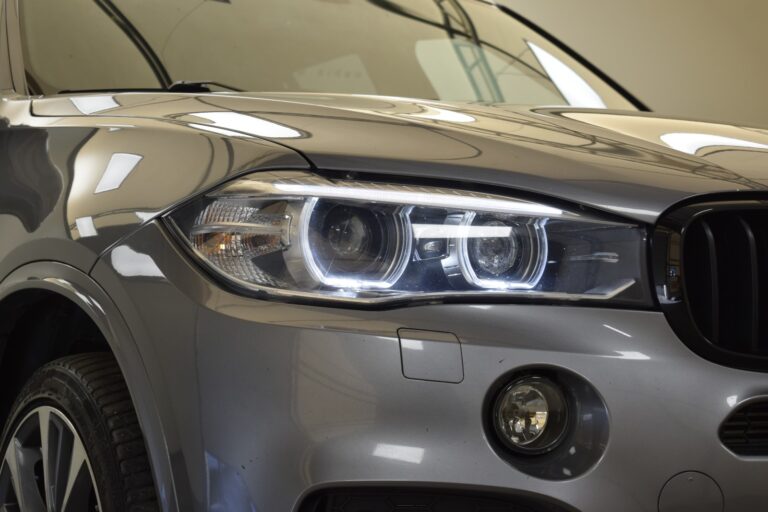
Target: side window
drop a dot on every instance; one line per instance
(76, 45)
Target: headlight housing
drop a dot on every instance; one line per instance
(302, 235)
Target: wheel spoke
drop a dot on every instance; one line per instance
(57, 448)
(44, 419)
(20, 462)
(79, 485)
(8, 500)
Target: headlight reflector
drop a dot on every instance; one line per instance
(299, 234)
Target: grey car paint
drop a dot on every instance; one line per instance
(295, 398)
(615, 161)
(250, 404)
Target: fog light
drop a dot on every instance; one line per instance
(531, 415)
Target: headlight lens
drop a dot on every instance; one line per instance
(299, 234)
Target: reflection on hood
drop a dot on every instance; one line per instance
(29, 183)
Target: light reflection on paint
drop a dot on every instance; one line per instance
(118, 169)
(409, 344)
(630, 211)
(93, 104)
(218, 131)
(86, 227)
(441, 114)
(129, 263)
(410, 454)
(251, 125)
(618, 331)
(691, 143)
(632, 356)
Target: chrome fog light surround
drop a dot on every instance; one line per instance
(530, 415)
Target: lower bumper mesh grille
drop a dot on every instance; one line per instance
(411, 500)
(745, 432)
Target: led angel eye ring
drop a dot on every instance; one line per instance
(499, 245)
(336, 238)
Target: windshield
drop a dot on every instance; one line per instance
(450, 50)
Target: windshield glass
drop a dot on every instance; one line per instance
(451, 50)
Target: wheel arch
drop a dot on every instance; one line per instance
(54, 279)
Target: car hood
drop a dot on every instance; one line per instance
(629, 163)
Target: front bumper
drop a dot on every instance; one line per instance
(263, 402)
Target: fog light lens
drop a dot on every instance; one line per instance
(530, 415)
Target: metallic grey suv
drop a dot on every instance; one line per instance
(438, 263)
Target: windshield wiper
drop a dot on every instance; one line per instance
(199, 86)
(178, 86)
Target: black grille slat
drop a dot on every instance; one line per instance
(704, 291)
(753, 267)
(745, 432)
(714, 285)
(713, 278)
(724, 270)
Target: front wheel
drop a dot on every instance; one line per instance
(73, 443)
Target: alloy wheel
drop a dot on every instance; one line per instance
(46, 468)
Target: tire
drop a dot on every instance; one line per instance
(83, 404)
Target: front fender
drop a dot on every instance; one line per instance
(82, 290)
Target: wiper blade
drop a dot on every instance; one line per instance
(179, 86)
(199, 86)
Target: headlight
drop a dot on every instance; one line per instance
(302, 235)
